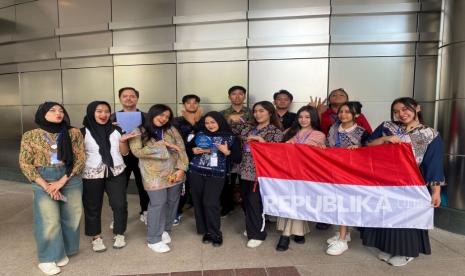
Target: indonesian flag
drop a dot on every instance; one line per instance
(378, 186)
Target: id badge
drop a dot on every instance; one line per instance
(247, 147)
(190, 137)
(54, 158)
(214, 160)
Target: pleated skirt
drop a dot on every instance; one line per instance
(396, 241)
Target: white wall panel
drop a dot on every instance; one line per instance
(156, 83)
(373, 79)
(302, 77)
(199, 32)
(210, 81)
(152, 58)
(36, 49)
(425, 78)
(288, 52)
(77, 13)
(86, 41)
(124, 10)
(211, 55)
(81, 86)
(279, 4)
(370, 24)
(86, 62)
(147, 36)
(76, 113)
(38, 17)
(7, 28)
(11, 123)
(37, 87)
(376, 112)
(189, 7)
(27, 117)
(39, 65)
(289, 27)
(9, 87)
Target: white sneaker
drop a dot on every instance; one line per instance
(49, 268)
(383, 256)
(336, 237)
(63, 261)
(254, 243)
(165, 238)
(400, 260)
(159, 247)
(337, 248)
(143, 217)
(98, 246)
(119, 242)
(112, 224)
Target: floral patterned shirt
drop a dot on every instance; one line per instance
(36, 152)
(157, 163)
(270, 133)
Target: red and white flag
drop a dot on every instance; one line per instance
(379, 186)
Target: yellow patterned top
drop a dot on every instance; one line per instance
(157, 163)
(36, 151)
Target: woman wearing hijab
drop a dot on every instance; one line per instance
(104, 171)
(214, 148)
(163, 163)
(52, 157)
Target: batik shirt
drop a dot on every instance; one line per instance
(36, 152)
(427, 148)
(344, 138)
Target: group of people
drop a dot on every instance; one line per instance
(199, 158)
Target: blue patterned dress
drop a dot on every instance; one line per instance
(428, 150)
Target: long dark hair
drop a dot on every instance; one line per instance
(223, 126)
(352, 109)
(295, 127)
(410, 104)
(149, 127)
(268, 106)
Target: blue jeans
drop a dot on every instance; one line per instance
(56, 223)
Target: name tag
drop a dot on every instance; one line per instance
(247, 147)
(214, 160)
(190, 137)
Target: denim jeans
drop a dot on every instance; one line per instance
(56, 223)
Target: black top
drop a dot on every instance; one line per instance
(287, 119)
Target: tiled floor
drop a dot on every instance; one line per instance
(189, 255)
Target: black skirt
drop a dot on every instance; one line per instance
(396, 241)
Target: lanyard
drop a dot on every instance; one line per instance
(302, 140)
(50, 141)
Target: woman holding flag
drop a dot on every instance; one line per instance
(264, 127)
(304, 130)
(345, 134)
(400, 246)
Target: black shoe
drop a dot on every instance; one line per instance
(299, 239)
(206, 239)
(322, 226)
(283, 243)
(217, 242)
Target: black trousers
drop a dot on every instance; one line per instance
(227, 195)
(206, 192)
(92, 199)
(132, 166)
(253, 208)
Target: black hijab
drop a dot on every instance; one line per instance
(100, 133)
(65, 148)
(223, 127)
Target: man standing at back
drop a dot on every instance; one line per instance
(128, 97)
(187, 126)
(282, 102)
(236, 112)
